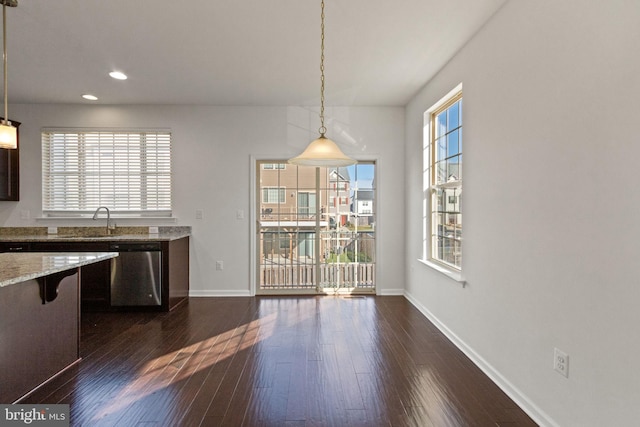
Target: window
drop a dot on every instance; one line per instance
(306, 204)
(128, 172)
(273, 195)
(445, 182)
(273, 166)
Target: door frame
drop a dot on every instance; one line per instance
(254, 223)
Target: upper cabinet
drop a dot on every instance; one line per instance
(10, 171)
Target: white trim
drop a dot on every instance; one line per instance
(276, 223)
(102, 129)
(539, 416)
(443, 100)
(390, 292)
(90, 220)
(454, 275)
(377, 161)
(217, 293)
(253, 222)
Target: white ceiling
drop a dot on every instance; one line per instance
(233, 52)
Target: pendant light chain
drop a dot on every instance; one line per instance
(321, 152)
(4, 59)
(322, 129)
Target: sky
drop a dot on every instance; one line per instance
(361, 174)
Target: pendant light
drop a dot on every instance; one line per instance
(8, 134)
(322, 151)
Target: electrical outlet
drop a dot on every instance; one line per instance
(52, 230)
(561, 362)
(219, 265)
(153, 230)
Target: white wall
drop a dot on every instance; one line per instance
(551, 207)
(212, 148)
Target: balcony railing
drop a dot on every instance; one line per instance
(291, 213)
(302, 276)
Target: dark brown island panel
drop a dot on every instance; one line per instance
(39, 318)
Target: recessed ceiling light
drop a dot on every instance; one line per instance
(90, 97)
(118, 75)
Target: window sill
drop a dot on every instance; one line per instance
(82, 218)
(454, 275)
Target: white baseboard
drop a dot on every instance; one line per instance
(211, 293)
(390, 292)
(539, 416)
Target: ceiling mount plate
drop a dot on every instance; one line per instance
(10, 3)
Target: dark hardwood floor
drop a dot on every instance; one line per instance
(307, 361)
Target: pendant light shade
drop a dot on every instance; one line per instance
(8, 134)
(322, 151)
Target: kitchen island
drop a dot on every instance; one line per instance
(39, 317)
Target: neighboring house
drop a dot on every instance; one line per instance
(286, 193)
(288, 208)
(339, 196)
(362, 207)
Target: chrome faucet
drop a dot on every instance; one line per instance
(110, 227)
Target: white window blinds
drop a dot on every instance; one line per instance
(128, 172)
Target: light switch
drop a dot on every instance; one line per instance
(199, 214)
(240, 214)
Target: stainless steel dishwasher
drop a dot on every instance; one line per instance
(136, 274)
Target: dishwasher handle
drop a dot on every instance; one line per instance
(135, 247)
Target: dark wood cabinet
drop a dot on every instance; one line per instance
(10, 171)
(14, 247)
(95, 279)
(175, 272)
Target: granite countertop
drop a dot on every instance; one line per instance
(92, 234)
(20, 267)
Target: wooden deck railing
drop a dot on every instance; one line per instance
(302, 276)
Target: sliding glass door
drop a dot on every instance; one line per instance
(316, 228)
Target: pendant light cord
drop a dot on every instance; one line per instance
(322, 129)
(322, 152)
(4, 60)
